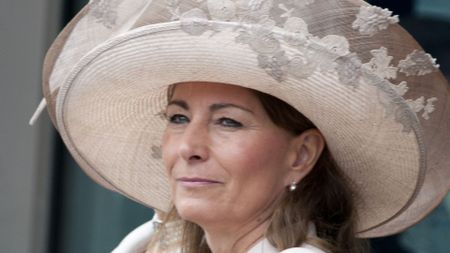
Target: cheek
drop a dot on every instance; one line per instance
(257, 174)
(168, 151)
(261, 157)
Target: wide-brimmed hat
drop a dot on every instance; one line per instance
(379, 100)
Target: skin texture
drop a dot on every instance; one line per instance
(228, 163)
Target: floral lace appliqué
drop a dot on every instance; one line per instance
(420, 104)
(287, 12)
(418, 63)
(417, 105)
(222, 9)
(274, 65)
(301, 3)
(194, 21)
(261, 40)
(372, 19)
(349, 69)
(306, 53)
(174, 9)
(253, 4)
(253, 11)
(296, 25)
(301, 66)
(335, 44)
(298, 31)
(380, 64)
(401, 88)
(320, 56)
(105, 12)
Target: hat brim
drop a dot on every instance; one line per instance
(108, 114)
(52, 56)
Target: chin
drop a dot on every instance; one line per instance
(194, 211)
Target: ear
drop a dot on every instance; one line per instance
(306, 150)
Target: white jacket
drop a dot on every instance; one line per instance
(137, 240)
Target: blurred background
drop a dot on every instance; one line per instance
(47, 204)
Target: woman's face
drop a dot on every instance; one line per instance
(226, 160)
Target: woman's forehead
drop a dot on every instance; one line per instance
(193, 92)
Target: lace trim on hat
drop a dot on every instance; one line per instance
(274, 64)
(372, 19)
(301, 3)
(420, 104)
(401, 88)
(349, 69)
(328, 54)
(174, 9)
(380, 64)
(105, 12)
(194, 21)
(418, 63)
(253, 11)
(221, 9)
(261, 40)
(256, 23)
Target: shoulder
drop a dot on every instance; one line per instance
(303, 249)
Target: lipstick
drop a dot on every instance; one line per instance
(196, 181)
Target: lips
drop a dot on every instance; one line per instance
(196, 181)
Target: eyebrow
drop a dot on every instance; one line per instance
(213, 107)
(179, 103)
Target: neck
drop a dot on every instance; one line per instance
(238, 235)
(236, 240)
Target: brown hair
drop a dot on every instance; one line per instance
(323, 198)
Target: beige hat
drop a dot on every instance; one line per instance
(379, 100)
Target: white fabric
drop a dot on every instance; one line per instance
(264, 246)
(137, 240)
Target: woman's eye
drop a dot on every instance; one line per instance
(178, 119)
(227, 122)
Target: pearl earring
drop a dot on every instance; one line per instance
(293, 186)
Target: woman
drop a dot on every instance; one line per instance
(234, 158)
(253, 125)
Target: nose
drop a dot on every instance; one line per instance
(194, 143)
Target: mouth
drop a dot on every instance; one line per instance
(196, 181)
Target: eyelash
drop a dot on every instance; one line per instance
(227, 122)
(179, 119)
(174, 119)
